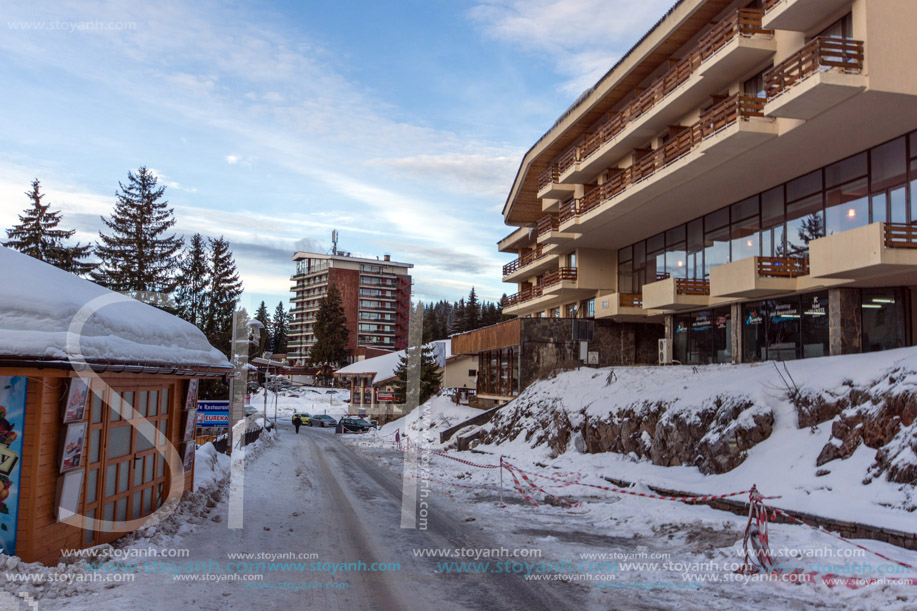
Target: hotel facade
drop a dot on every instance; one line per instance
(744, 178)
(376, 296)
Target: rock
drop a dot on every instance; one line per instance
(822, 472)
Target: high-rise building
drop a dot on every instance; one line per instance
(744, 177)
(376, 295)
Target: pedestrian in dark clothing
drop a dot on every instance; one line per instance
(297, 422)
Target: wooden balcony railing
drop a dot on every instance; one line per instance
(567, 211)
(822, 53)
(547, 223)
(556, 275)
(743, 22)
(769, 4)
(529, 257)
(900, 235)
(631, 300)
(728, 112)
(690, 286)
(566, 160)
(591, 199)
(523, 296)
(548, 176)
(782, 267)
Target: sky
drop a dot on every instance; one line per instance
(400, 124)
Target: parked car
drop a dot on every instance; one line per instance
(303, 417)
(355, 425)
(322, 420)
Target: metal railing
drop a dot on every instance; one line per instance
(821, 54)
(900, 235)
(782, 267)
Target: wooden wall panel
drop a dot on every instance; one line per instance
(502, 335)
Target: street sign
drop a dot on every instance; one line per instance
(212, 414)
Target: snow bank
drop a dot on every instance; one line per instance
(437, 414)
(39, 309)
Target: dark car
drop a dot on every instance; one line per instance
(322, 420)
(355, 425)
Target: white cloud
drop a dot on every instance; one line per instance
(232, 159)
(584, 37)
(486, 175)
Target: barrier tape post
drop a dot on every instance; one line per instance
(501, 479)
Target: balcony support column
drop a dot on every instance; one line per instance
(669, 323)
(845, 325)
(735, 313)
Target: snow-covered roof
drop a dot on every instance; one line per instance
(384, 366)
(49, 314)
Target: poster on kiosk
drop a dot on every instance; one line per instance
(12, 419)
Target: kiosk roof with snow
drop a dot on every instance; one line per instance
(51, 316)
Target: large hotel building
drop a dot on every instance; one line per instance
(376, 295)
(743, 181)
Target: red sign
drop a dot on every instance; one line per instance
(385, 396)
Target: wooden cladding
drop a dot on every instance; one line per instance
(822, 53)
(690, 286)
(900, 235)
(631, 300)
(743, 22)
(529, 257)
(497, 336)
(547, 223)
(782, 267)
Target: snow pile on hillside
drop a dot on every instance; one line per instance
(437, 414)
(48, 313)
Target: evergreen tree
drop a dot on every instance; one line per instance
(472, 314)
(138, 257)
(458, 324)
(279, 330)
(224, 290)
(261, 315)
(37, 235)
(431, 377)
(330, 329)
(194, 275)
(429, 324)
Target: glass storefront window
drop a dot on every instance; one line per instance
(888, 165)
(695, 249)
(675, 254)
(883, 319)
(847, 207)
(703, 337)
(804, 223)
(815, 325)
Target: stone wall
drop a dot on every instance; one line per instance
(845, 326)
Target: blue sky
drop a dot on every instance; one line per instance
(401, 124)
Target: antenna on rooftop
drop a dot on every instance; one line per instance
(334, 242)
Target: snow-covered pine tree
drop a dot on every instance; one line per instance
(224, 290)
(37, 235)
(138, 257)
(279, 329)
(193, 282)
(330, 329)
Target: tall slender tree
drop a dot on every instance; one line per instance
(279, 329)
(138, 256)
(37, 235)
(472, 317)
(194, 274)
(330, 329)
(262, 316)
(223, 293)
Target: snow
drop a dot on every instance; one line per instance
(42, 307)
(384, 366)
(308, 399)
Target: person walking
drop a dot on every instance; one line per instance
(297, 422)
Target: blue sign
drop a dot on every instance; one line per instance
(12, 422)
(212, 414)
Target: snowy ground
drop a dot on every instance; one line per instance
(309, 399)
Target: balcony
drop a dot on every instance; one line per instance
(676, 294)
(876, 250)
(549, 229)
(822, 74)
(756, 277)
(733, 126)
(799, 15)
(623, 307)
(734, 45)
(549, 185)
(530, 263)
(559, 279)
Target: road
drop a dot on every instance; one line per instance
(312, 494)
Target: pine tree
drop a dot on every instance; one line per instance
(429, 324)
(472, 314)
(261, 315)
(458, 324)
(37, 236)
(279, 330)
(224, 290)
(194, 275)
(431, 377)
(330, 329)
(138, 257)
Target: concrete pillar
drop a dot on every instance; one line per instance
(372, 400)
(845, 325)
(735, 313)
(669, 323)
